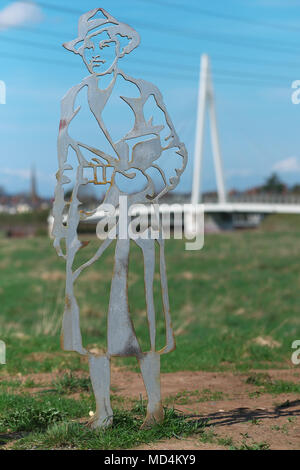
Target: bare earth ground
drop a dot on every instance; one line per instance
(238, 412)
(233, 416)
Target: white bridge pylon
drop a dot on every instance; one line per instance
(206, 98)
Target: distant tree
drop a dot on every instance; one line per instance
(273, 184)
(2, 191)
(295, 189)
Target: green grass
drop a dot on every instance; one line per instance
(69, 383)
(259, 379)
(123, 434)
(23, 412)
(251, 446)
(225, 441)
(208, 436)
(240, 287)
(267, 385)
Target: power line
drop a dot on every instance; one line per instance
(224, 77)
(37, 59)
(151, 62)
(171, 66)
(150, 48)
(231, 40)
(27, 42)
(242, 60)
(30, 29)
(251, 75)
(192, 9)
(158, 49)
(49, 6)
(233, 73)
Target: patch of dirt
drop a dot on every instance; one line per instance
(234, 412)
(232, 384)
(267, 341)
(180, 444)
(41, 356)
(190, 276)
(52, 276)
(246, 420)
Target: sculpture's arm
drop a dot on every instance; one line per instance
(64, 144)
(59, 230)
(172, 141)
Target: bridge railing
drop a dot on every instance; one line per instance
(266, 198)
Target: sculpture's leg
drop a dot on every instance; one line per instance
(100, 378)
(170, 339)
(70, 334)
(121, 337)
(150, 368)
(148, 247)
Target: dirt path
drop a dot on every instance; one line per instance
(238, 414)
(235, 410)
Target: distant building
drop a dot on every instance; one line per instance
(24, 202)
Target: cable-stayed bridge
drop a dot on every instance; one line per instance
(241, 203)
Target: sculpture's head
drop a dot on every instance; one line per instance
(100, 41)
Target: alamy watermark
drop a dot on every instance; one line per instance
(141, 221)
(296, 354)
(295, 97)
(2, 352)
(2, 92)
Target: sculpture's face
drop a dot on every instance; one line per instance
(100, 53)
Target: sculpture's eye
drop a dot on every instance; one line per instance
(88, 44)
(103, 44)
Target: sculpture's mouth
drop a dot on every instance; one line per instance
(97, 62)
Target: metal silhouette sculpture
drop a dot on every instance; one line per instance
(121, 337)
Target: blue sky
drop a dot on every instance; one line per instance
(255, 56)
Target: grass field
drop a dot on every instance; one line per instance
(234, 305)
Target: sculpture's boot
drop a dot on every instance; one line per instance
(100, 378)
(150, 368)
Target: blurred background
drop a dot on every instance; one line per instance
(235, 303)
(253, 48)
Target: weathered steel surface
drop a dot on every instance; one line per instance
(121, 337)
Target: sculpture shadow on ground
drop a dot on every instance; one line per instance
(243, 415)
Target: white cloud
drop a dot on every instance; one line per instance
(289, 165)
(19, 13)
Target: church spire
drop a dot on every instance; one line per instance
(34, 196)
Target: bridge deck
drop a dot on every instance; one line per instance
(242, 208)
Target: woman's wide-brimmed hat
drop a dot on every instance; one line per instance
(88, 22)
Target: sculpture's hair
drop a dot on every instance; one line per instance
(108, 23)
